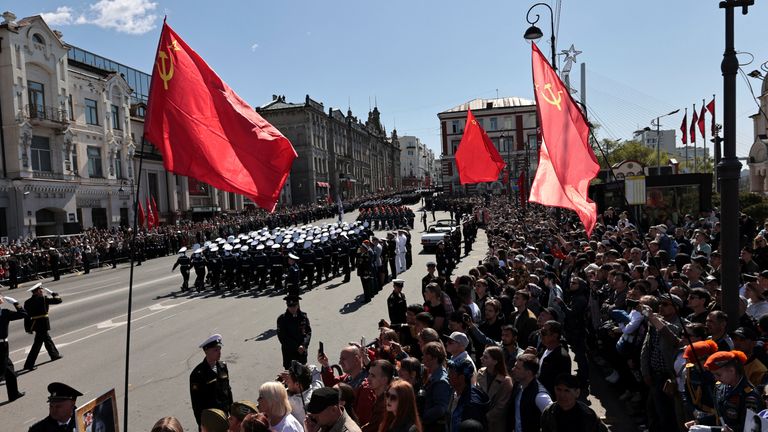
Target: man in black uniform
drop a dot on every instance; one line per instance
(391, 245)
(294, 332)
(307, 263)
(37, 322)
(293, 278)
(343, 247)
(396, 304)
(319, 259)
(198, 262)
(6, 316)
(214, 267)
(113, 253)
(61, 410)
(424, 219)
(277, 266)
(261, 262)
(228, 265)
(244, 268)
(185, 263)
(365, 269)
(55, 259)
(430, 277)
(209, 381)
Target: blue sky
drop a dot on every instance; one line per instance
(417, 58)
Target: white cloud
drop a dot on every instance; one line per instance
(62, 16)
(254, 46)
(125, 16)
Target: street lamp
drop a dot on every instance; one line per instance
(534, 33)
(657, 123)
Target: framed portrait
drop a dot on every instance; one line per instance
(98, 415)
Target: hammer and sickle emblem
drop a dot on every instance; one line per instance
(552, 98)
(165, 63)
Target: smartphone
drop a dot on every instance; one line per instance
(321, 349)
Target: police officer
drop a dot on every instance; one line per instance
(198, 262)
(185, 263)
(396, 303)
(38, 322)
(293, 332)
(209, 381)
(293, 279)
(6, 316)
(61, 410)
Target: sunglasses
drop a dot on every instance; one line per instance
(392, 396)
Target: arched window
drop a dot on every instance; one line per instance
(38, 38)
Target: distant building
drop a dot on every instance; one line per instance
(664, 140)
(338, 154)
(416, 163)
(758, 154)
(510, 123)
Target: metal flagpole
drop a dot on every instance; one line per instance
(695, 146)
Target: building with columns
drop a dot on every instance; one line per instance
(338, 154)
(510, 123)
(71, 136)
(416, 163)
(758, 154)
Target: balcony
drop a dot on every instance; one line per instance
(47, 113)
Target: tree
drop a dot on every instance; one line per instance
(618, 151)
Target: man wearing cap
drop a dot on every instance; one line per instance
(431, 275)
(209, 381)
(293, 279)
(365, 270)
(324, 414)
(61, 410)
(456, 346)
(37, 322)
(199, 263)
(294, 332)
(213, 420)
(185, 263)
(6, 316)
(396, 303)
(237, 413)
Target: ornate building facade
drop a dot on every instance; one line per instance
(339, 155)
(758, 154)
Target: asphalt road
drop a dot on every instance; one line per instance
(89, 329)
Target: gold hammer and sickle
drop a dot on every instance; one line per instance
(166, 73)
(553, 99)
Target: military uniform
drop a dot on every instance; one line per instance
(733, 402)
(277, 266)
(261, 262)
(214, 268)
(185, 264)
(293, 331)
(396, 303)
(38, 322)
(293, 278)
(365, 272)
(6, 316)
(209, 384)
(308, 263)
(198, 262)
(58, 392)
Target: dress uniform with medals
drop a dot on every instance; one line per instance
(6, 316)
(396, 303)
(294, 332)
(38, 323)
(61, 417)
(185, 264)
(209, 381)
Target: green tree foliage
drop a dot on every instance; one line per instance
(618, 151)
(748, 199)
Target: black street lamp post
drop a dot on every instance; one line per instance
(535, 33)
(729, 169)
(657, 123)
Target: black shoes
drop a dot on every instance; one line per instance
(57, 357)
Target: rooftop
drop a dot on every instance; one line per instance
(480, 104)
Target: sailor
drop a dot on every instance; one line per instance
(215, 266)
(260, 261)
(228, 264)
(198, 262)
(307, 262)
(185, 263)
(244, 270)
(6, 316)
(293, 279)
(277, 266)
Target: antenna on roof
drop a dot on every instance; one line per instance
(497, 93)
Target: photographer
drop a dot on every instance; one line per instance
(300, 381)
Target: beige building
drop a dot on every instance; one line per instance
(416, 163)
(758, 154)
(510, 123)
(72, 127)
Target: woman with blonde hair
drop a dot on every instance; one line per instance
(273, 402)
(167, 424)
(402, 415)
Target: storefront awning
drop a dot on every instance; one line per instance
(323, 184)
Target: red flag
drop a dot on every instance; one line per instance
(711, 109)
(477, 159)
(150, 216)
(155, 214)
(694, 120)
(521, 189)
(141, 215)
(701, 121)
(506, 178)
(684, 127)
(566, 161)
(207, 132)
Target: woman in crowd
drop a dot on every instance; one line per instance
(402, 415)
(493, 379)
(167, 424)
(273, 402)
(255, 422)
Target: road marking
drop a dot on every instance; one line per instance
(109, 293)
(108, 324)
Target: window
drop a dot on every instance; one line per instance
(94, 162)
(494, 124)
(38, 38)
(455, 126)
(75, 167)
(118, 165)
(36, 99)
(91, 112)
(41, 154)
(115, 117)
(71, 108)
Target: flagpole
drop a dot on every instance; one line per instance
(685, 126)
(704, 132)
(695, 146)
(132, 255)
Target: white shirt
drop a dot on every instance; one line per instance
(288, 424)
